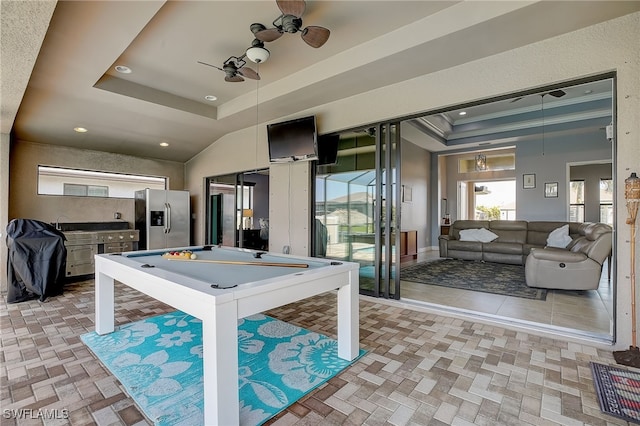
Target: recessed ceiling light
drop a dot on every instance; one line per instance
(123, 69)
(587, 92)
(164, 144)
(80, 129)
(211, 98)
(462, 113)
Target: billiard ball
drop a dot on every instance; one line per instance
(194, 256)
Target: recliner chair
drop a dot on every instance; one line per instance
(578, 267)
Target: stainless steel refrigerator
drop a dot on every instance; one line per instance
(163, 218)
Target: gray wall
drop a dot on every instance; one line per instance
(415, 174)
(552, 166)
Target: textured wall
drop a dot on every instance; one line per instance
(18, 52)
(26, 203)
(415, 174)
(4, 207)
(289, 201)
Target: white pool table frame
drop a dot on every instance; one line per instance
(215, 307)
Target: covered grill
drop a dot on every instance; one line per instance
(37, 260)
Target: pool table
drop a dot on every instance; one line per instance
(219, 286)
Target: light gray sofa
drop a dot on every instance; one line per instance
(576, 267)
(515, 239)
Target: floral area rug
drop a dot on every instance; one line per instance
(488, 277)
(159, 362)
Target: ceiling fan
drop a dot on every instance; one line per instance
(235, 69)
(290, 21)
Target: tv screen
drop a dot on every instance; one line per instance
(328, 149)
(293, 140)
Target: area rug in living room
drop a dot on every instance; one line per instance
(487, 277)
(159, 362)
(618, 391)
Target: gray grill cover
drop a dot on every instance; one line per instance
(37, 260)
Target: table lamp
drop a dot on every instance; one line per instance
(247, 214)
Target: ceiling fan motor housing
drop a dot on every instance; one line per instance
(291, 24)
(230, 68)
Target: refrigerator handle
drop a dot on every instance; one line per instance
(168, 217)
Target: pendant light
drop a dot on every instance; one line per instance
(481, 162)
(257, 53)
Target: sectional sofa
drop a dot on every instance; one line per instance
(515, 239)
(574, 264)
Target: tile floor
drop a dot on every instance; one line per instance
(586, 313)
(420, 369)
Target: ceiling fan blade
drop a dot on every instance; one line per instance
(315, 36)
(268, 35)
(209, 65)
(249, 73)
(234, 79)
(558, 93)
(288, 7)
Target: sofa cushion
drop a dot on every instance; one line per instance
(559, 237)
(465, 245)
(483, 235)
(538, 231)
(504, 248)
(510, 231)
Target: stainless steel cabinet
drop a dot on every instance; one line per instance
(82, 246)
(80, 259)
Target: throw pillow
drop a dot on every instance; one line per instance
(559, 237)
(482, 235)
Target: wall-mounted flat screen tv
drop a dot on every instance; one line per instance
(328, 149)
(293, 140)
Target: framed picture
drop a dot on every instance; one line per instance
(528, 181)
(551, 190)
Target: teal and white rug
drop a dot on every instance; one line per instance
(159, 362)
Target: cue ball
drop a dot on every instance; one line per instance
(193, 256)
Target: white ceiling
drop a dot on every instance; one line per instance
(372, 44)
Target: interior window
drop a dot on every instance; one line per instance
(576, 201)
(91, 183)
(487, 163)
(606, 201)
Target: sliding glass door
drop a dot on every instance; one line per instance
(357, 205)
(387, 214)
(238, 210)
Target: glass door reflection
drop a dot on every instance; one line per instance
(356, 221)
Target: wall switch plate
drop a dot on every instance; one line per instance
(286, 249)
